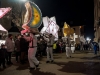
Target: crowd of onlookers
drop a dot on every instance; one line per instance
(19, 47)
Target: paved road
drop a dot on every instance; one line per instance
(81, 63)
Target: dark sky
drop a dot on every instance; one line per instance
(74, 12)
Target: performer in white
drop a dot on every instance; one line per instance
(68, 47)
(32, 50)
(50, 41)
(68, 50)
(82, 42)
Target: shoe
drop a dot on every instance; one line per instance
(47, 61)
(37, 65)
(4, 66)
(31, 68)
(11, 63)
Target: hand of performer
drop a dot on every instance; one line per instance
(41, 34)
(24, 31)
(44, 34)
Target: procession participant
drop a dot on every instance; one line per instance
(68, 47)
(82, 42)
(68, 51)
(32, 50)
(50, 41)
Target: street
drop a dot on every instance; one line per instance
(81, 63)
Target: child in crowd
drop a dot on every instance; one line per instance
(2, 55)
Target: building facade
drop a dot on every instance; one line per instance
(96, 20)
(79, 31)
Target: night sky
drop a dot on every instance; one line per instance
(74, 12)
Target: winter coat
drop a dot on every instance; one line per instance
(3, 53)
(10, 45)
(17, 45)
(23, 45)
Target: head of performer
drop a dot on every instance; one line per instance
(32, 34)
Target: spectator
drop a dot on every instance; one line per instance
(10, 48)
(17, 47)
(3, 53)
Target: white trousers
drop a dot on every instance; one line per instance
(68, 51)
(72, 49)
(49, 53)
(31, 57)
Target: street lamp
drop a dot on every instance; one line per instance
(88, 39)
(23, 0)
(20, 0)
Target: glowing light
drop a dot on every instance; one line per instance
(88, 39)
(24, 0)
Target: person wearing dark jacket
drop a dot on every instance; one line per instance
(3, 53)
(17, 47)
(23, 49)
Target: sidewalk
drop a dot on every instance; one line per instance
(81, 63)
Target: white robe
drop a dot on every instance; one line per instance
(49, 49)
(68, 51)
(32, 51)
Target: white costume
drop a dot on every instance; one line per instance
(32, 50)
(49, 49)
(82, 42)
(68, 51)
(68, 47)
